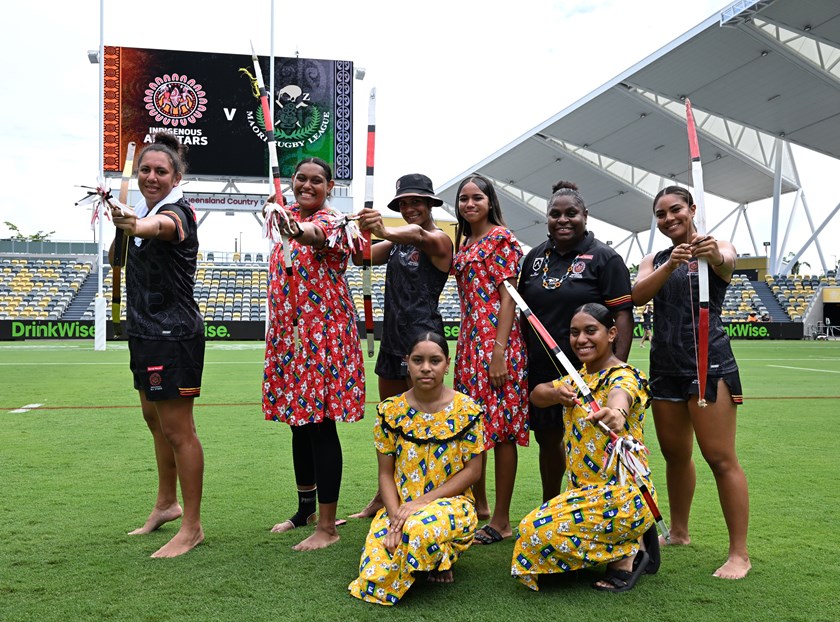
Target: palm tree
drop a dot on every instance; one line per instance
(795, 268)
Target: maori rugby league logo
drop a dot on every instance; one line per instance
(175, 100)
(298, 117)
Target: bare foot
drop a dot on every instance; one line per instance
(736, 567)
(157, 518)
(321, 539)
(182, 542)
(288, 525)
(370, 509)
(675, 540)
(440, 576)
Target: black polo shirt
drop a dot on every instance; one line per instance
(597, 274)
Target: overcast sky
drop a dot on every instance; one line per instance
(455, 80)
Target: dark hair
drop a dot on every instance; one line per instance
(681, 192)
(598, 311)
(319, 162)
(494, 215)
(430, 336)
(567, 189)
(168, 143)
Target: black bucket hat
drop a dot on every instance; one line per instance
(414, 185)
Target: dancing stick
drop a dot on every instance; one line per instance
(268, 122)
(702, 264)
(121, 244)
(367, 261)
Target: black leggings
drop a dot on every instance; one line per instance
(316, 453)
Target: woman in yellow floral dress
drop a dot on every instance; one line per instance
(426, 440)
(598, 519)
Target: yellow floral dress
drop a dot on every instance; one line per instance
(428, 449)
(597, 519)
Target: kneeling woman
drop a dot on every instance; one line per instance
(598, 519)
(426, 441)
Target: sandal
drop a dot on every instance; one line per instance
(651, 541)
(487, 535)
(623, 580)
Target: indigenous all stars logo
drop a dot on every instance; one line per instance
(175, 100)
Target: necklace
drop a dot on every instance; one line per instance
(552, 282)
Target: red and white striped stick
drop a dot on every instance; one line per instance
(278, 190)
(702, 264)
(367, 262)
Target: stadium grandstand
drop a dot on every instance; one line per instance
(54, 287)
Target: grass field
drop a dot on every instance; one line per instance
(78, 473)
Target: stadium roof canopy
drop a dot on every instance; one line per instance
(755, 72)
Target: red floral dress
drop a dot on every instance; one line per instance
(325, 377)
(480, 269)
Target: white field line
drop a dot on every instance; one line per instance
(26, 409)
(825, 371)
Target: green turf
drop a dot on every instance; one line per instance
(77, 474)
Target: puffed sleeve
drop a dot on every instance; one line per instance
(502, 255)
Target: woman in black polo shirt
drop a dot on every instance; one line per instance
(568, 270)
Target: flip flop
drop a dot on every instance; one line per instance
(487, 535)
(623, 580)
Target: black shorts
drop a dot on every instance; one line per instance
(391, 366)
(166, 370)
(681, 388)
(540, 419)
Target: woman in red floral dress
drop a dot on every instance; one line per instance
(322, 380)
(490, 365)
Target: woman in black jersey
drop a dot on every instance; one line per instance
(670, 278)
(166, 335)
(418, 257)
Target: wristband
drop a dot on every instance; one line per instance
(499, 343)
(722, 261)
(298, 234)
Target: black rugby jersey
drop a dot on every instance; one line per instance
(675, 317)
(160, 281)
(413, 285)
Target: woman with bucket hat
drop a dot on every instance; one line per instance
(418, 257)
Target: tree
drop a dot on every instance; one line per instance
(40, 236)
(794, 269)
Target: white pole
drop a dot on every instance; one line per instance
(100, 304)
